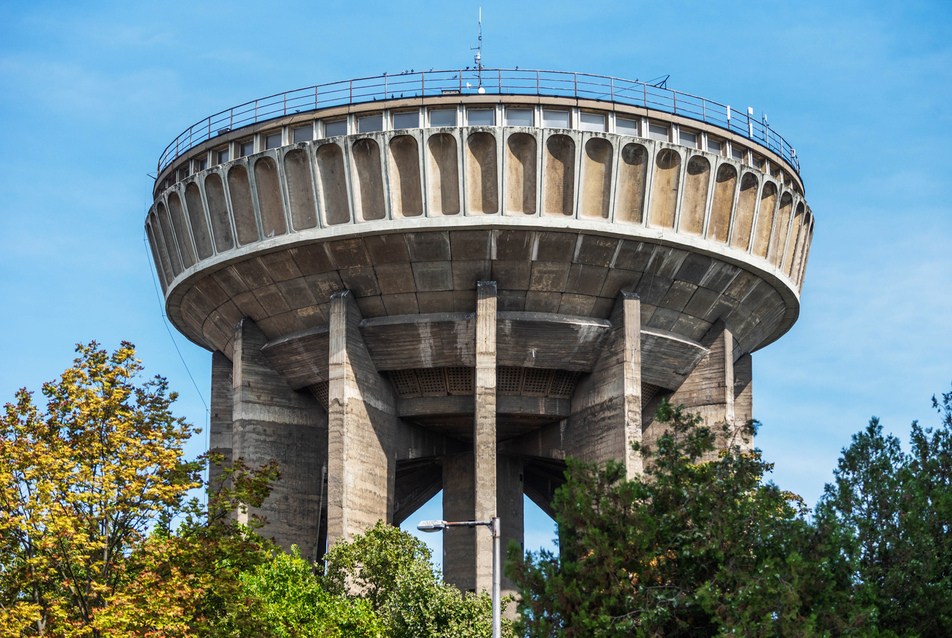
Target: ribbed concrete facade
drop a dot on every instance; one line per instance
(442, 305)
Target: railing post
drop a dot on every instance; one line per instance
(460, 76)
(285, 103)
(500, 81)
(385, 90)
(256, 111)
(422, 84)
(575, 84)
(644, 85)
(674, 97)
(613, 89)
(315, 98)
(537, 82)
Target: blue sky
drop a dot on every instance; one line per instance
(90, 94)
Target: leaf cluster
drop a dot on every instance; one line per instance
(700, 545)
(895, 511)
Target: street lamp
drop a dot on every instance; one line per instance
(494, 528)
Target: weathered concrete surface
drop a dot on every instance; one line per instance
(272, 422)
(484, 428)
(362, 426)
(606, 408)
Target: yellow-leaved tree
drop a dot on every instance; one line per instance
(81, 482)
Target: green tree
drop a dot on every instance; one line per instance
(292, 602)
(896, 511)
(698, 546)
(80, 484)
(393, 571)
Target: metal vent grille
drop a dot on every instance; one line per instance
(319, 390)
(508, 380)
(648, 392)
(536, 382)
(405, 383)
(563, 384)
(432, 382)
(459, 380)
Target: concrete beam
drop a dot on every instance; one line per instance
(222, 404)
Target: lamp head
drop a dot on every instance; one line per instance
(431, 526)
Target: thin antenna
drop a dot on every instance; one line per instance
(479, 52)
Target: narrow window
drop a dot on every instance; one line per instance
(688, 138)
(201, 165)
(303, 133)
(337, 127)
(624, 126)
(407, 119)
(555, 119)
(370, 123)
(715, 146)
(272, 140)
(519, 117)
(658, 132)
(222, 156)
(738, 154)
(443, 117)
(591, 122)
(246, 148)
(481, 117)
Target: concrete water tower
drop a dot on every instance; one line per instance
(453, 281)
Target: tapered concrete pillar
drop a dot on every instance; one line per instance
(459, 504)
(484, 428)
(744, 394)
(362, 424)
(273, 422)
(469, 479)
(709, 389)
(509, 499)
(220, 420)
(606, 407)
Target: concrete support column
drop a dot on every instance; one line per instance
(220, 421)
(484, 428)
(362, 424)
(273, 422)
(459, 544)
(709, 389)
(509, 498)
(744, 394)
(606, 408)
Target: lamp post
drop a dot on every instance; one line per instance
(494, 528)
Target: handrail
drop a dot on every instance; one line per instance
(507, 82)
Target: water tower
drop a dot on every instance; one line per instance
(453, 280)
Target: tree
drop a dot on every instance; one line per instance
(698, 546)
(896, 511)
(392, 570)
(292, 602)
(80, 484)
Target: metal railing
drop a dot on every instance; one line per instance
(489, 81)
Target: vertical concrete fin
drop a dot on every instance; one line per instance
(362, 425)
(719, 388)
(606, 406)
(220, 420)
(744, 394)
(484, 427)
(273, 422)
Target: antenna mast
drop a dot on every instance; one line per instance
(479, 50)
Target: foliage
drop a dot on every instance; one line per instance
(80, 484)
(187, 581)
(696, 547)
(392, 570)
(896, 510)
(292, 602)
